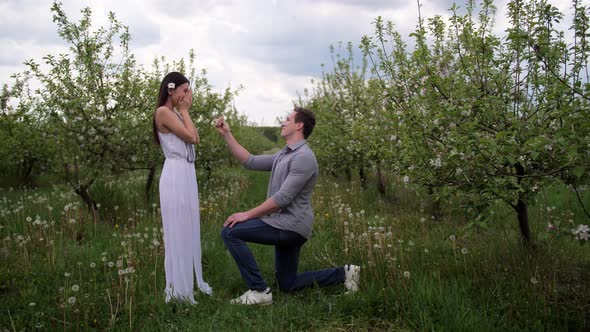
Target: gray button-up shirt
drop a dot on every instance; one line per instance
(294, 172)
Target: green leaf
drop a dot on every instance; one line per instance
(579, 171)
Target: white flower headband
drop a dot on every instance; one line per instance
(171, 85)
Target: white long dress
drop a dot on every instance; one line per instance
(179, 203)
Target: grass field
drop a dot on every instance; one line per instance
(65, 269)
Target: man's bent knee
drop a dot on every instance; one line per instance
(226, 233)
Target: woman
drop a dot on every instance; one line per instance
(175, 132)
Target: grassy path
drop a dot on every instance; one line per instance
(59, 270)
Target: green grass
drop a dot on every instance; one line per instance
(415, 277)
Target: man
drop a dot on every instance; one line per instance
(285, 219)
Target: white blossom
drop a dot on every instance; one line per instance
(581, 233)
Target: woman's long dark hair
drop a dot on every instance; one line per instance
(174, 77)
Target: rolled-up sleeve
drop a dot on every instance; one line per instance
(302, 169)
(260, 163)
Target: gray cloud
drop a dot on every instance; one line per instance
(365, 4)
(143, 31)
(294, 37)
(182, 9)
(272, 47)
(27, 21)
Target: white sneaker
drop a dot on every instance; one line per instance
(254, 297)
(352, 279)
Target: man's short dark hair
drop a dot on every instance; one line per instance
(307, 117)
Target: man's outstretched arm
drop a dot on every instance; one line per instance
(239, 152)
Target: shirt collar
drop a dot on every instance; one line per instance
(295, 146)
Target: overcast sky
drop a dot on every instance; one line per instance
(271, 47)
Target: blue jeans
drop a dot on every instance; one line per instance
(287, 247)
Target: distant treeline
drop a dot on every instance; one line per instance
(272, 133)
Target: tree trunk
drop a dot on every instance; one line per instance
(434, 204)
(26, 179)
(363, 177)
(522, 210)
(348, 174)
(82, 191)
(77, 172)
(209, 170)
(67, 172)
(522, 213)
(149, 183)
(380, 180)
